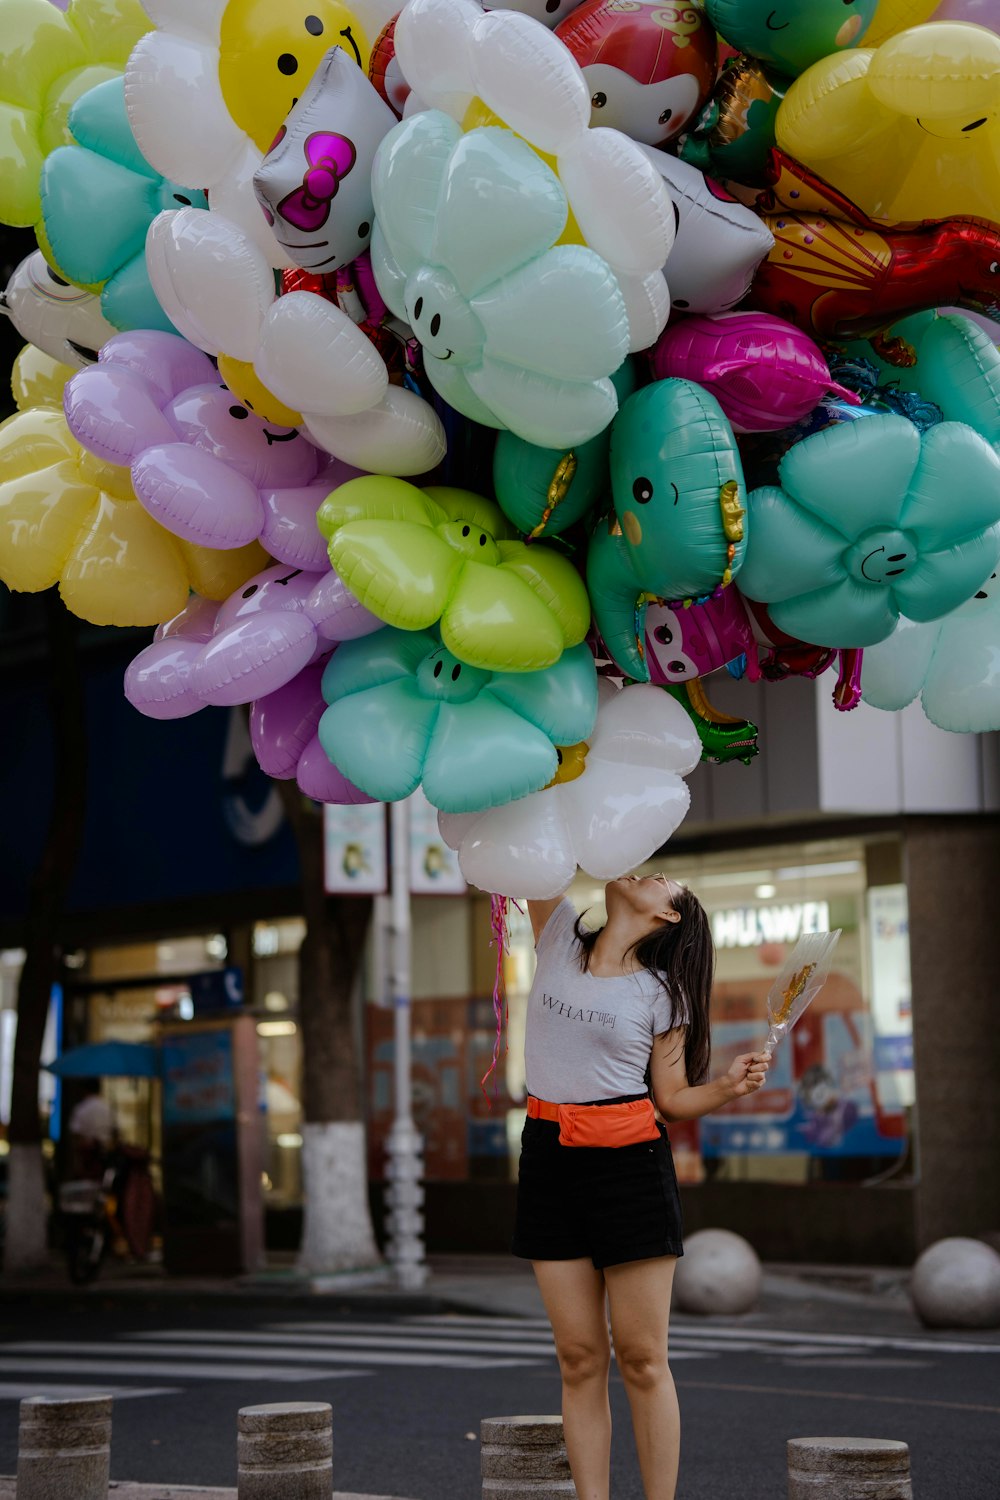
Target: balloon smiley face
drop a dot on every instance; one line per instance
(791, 35)
(442, 319)
(210, 418)
(649, 67)
(268, 53)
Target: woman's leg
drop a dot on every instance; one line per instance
(639, 1294)
(574, 1296)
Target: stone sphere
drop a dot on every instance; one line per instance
(718, 1273)
(956, 1284)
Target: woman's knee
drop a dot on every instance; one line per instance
(581, 1361)
(643, 1367)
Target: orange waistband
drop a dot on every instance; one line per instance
(540, 1109)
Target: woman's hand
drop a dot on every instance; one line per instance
(748, 1073)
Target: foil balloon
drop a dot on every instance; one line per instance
(276, 624)
(719, 242)
(549, 12)
(722, 737)
(544, 491)
(202, 464)
(417, 557)
(764, 373)
(38, 380)
(314, 185)
(616, 798)
(404, 712)
(793, 34)
(307, 354)
(873, 520)
(283, 733)
(734, 133)
(649, 68)
(47, 60)
(978, 12)
(64, 321)
(384, 71)
(838, 274)
(104, 171)
(71, 519)
(504, 68)
(909, 130)
(952, 362)
(209, 89)
(677, 530)
(684, 644)
(950, 663)
(515, 333)
(896, 15)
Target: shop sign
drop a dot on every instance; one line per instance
(752, 926)
(889, 952)
(354, 850)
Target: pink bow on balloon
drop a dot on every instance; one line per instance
(330, 159)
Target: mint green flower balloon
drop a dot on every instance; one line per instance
(873, 521)
(517, 332)
(403, 711)
(954, 665)
(99, 198)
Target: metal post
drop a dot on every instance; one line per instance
(405, 1169)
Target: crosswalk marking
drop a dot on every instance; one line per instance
(17, 1390)
(73, 1365)
(161, 1347)
(403, 1341)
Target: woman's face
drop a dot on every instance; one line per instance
(649, 896)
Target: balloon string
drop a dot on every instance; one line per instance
(499, 918)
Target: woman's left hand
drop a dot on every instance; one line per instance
(748, 1073)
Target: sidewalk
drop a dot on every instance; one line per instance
(803, 1298)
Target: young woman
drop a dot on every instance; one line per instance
(617, 1022)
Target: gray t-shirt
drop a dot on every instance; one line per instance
(588, 1038)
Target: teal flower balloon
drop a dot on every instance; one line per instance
(403, 711)
(99, 197)
(953, 664)
(515, 333)
(873, 521)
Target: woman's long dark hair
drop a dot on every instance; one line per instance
(682, 956)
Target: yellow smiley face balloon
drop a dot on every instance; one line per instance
(269, 50)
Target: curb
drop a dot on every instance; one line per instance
(124, 1490)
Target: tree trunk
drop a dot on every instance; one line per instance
(26, 1246)
(337, 1231)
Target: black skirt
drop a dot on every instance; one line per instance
(612, 1204)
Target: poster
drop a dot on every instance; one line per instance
(354, 850)
(434, 867)
(889, 953)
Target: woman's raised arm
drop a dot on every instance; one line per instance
(540, 912)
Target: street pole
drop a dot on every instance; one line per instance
(405, 1168)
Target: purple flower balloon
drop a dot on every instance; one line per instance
(283, 733)
(259, 639)
(202, 463)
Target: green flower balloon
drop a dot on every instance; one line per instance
(404, 710)
(873, 521)
(415, 557)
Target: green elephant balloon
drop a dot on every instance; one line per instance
(677, 531)
(404, 711)
(544, 491)
(415, 557)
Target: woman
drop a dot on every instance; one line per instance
(617, 1022)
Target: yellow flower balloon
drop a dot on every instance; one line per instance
(47, 60)
(909, 130)
(66, 518)
(38, 380)
(895, 15)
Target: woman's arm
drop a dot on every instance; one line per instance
(676, 1099)
(540, 912)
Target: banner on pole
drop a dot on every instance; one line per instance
(434, 867)
(354, 850)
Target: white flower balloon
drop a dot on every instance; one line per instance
(613, 803)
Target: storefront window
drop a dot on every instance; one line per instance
(837, 1102)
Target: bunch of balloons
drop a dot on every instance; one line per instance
(460, 387)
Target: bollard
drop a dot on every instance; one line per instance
(285, 1451)
(524, 1458)
(64, 1449)
(848, 1468)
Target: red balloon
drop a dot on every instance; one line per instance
(384, 70)
(650, 65)
(840, 275)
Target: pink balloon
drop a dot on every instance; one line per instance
(262, 637)
(203, 465)
(979, 12)
(283, 733)
(764, 373)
